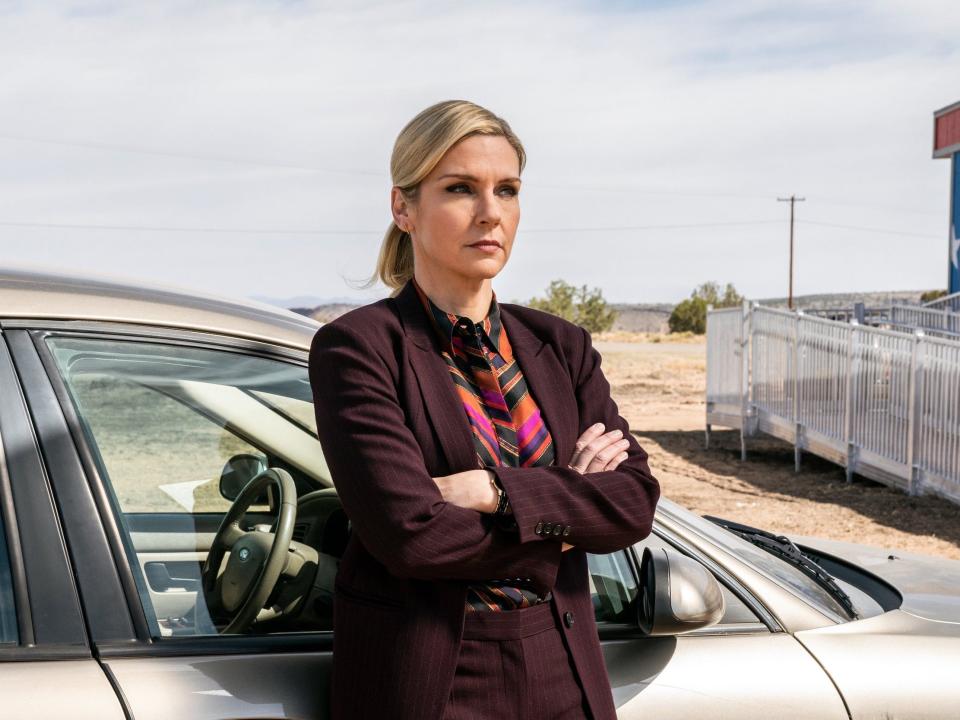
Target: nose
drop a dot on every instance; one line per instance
(488, 209)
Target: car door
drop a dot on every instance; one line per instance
(743, 667)
(139, 425)
(47, 668)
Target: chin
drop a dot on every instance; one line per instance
(485, 271)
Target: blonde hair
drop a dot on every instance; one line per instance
(418, 148)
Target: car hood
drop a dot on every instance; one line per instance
(930, 586)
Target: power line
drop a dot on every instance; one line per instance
(677, 226)
(294, 231)
(644, 191)
(188, 156)
(108, 147)
(281, 165)
(278, 231)
(168, 229)
(884, 206)
(882, 231)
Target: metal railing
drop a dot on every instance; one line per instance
(942, 323)
(860, 313)
(881, 403)
(950, 303)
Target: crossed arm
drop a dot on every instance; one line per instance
(595, 450)
(398, 511)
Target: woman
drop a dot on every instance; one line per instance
(478, 453)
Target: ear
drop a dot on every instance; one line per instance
(401, 208)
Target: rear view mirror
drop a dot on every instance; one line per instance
(237, 472)
(677, 594)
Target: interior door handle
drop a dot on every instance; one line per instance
(160, 580)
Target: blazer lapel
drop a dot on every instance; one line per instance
(543, 372)
(440, 400)
(548, 381)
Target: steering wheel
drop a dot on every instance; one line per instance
(256, 558)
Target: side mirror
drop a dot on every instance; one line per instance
(677, 594)
(237, 472)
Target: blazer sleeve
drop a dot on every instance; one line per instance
(599, 512)
(393, 503)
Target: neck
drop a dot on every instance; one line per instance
(457, 294)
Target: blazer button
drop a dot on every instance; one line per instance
(539, 529)
(547, 527)
(566, 531)
(557, 529)
(568, 619)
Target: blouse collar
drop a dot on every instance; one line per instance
(446, 324)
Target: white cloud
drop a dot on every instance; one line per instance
(681, 114)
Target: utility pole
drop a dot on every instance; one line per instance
(793, 200)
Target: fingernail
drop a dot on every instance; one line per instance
(617, 433)
(597, 426)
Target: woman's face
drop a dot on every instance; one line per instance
(470, 197)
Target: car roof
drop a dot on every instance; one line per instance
(48, 294)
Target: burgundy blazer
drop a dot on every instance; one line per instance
(389, 420)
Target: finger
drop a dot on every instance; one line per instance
(586, 461)
(598, 444)
(588, 436)
(615, 462)
(613, 447)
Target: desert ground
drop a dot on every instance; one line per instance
(658, 382)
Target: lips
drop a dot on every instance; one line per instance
(485, 243)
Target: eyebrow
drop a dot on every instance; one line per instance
(471, 177)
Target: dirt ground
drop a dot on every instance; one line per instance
(659, 382)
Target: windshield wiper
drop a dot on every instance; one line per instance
(784, 547)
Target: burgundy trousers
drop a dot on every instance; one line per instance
(515, 664)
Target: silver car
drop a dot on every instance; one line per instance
(170, 537)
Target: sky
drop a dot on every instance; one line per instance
(242, 148)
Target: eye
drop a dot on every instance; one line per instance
(511, 190)
(454, 188)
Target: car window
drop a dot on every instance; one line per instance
(160, 454)
(9, 634)
(162, 420)
(613, 586)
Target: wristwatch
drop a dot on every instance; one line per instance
(501, 495)
(503, 519)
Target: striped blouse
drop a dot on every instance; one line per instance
(506, 422)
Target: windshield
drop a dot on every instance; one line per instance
(777, 569)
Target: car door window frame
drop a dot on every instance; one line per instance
(41, 568)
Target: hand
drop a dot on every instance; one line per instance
(470, 489)
(596, 450)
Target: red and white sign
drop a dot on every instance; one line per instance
(946, 131)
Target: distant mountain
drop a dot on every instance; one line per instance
(878, 298)
(310, 301)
